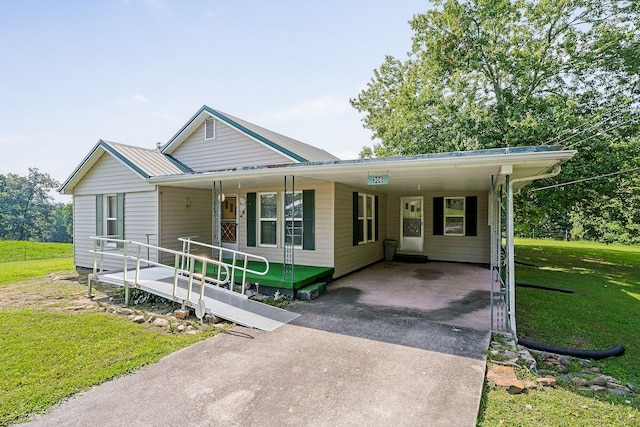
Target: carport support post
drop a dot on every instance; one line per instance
(511, 263)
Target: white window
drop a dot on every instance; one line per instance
(268, 219)
(210, 128)
(454, 216)
(293, 218)
(366, 218)
(111, 217)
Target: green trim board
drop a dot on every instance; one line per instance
(304, 275)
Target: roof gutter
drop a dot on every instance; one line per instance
(366, 165)
(511, 262)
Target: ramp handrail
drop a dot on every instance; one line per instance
(219, 253)
(184, 263)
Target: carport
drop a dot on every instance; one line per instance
(444, 206)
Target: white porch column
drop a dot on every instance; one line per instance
(511, 263)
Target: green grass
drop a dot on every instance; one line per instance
(23, 270)
(24, 260)
(48, 353)
(603, 311)
(12, 250)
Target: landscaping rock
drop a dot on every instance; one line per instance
(138, 319)
(601, 381)
(211, 318)
(578, 381)
(160, 322)
(633, 388)
(547, 381)
(598, 389)
(505, 376)
(126, 312)
(181, 328)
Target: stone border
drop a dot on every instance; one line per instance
(504, 352)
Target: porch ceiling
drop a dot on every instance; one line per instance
(420, 173)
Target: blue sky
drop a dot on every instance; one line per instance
(134, 71)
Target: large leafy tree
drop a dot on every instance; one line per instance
(500, 73)
(27, 211)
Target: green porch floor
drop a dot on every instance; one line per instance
(303, 275)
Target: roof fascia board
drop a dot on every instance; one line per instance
(179, 136)
(516, 159)
(78, 173)
(256, 136)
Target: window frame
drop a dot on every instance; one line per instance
(462, 216)
(213, 124)
(366, 221)
(288, 219)
(260, 219)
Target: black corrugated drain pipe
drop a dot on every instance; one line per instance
(617, 350)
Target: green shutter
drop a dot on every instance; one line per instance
(308, 220)
(376, 210)
(471, 216)
(438, 216)
(120, 218)
(355, 219)
(251, 219)
(99, 215)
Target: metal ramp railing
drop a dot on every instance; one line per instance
(233, 259)
(133, 258)
(178, 282)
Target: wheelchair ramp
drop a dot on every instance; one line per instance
(220, 302)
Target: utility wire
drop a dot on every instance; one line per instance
(600, 133)
(586, 179)
(602, 120)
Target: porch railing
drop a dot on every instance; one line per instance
(133, 253)
(233, 259)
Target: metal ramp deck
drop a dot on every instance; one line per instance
(218, 301)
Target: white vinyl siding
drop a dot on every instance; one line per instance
(322, 255)
(140, 219)
(474, 249)
(230, 149)
(179, 220)
(84, 226)
(348, 257)
(110, 176)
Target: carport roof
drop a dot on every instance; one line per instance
(454, 171)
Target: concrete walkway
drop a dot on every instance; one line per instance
(343, 362)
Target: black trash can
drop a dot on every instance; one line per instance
(390, 248)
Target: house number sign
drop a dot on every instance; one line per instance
(377, 179)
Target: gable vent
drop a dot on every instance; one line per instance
(210, 129)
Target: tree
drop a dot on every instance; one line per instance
(500, 73)
(26, 208)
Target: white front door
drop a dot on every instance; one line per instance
(412, 224)
(229, 225)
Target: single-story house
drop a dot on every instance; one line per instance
(235, 184)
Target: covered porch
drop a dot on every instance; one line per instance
(423, 202)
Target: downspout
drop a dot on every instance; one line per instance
(510, 234)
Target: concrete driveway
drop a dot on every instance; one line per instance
(345, 361)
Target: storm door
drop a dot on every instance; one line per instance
(229, 224)
(412, 224)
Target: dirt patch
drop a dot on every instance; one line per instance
(68, 291)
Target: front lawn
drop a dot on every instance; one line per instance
(602, 311)
(55, 342)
